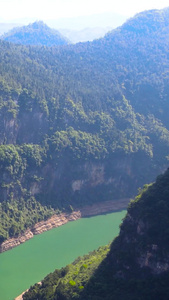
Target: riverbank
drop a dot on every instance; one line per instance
(63, 218)
(20, 296)
(55, 249)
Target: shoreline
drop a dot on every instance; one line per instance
(61, 219)
(88, 211)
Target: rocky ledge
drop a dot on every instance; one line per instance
(55, 221)
(13, 242)
(63, 218)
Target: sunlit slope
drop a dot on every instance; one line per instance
(83, 123)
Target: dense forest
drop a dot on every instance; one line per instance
(134, 266)
(37, 33)
(82, 123)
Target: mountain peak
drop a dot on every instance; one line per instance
(38, 25)
(144, 22)
(37, 33)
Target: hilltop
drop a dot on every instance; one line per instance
(37, 33)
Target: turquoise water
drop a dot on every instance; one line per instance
(32, 261)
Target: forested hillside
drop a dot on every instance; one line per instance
(82, 123)
(37, 33)
(135, 267)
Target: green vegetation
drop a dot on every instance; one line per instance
(87, 122)
(70, 281)
(37, 33)
(20, 210)
(19, 215)
(135, 267)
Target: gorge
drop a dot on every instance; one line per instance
(30, 262)
(82, 128)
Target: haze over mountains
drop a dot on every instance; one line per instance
(82, 123)
(37, 33)
(77, 29)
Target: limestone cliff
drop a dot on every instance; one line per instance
(143, 244)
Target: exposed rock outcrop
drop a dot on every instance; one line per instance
(142, 247)
(55, 221)
(13, 242)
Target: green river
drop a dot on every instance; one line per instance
(32, 261)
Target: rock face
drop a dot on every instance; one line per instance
(13, 242)
(55, 221)
(87, 182)
(143, 245)
(77, 184)
(102, 208)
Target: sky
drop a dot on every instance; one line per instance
(15, 10)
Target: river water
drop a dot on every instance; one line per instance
(32, 261)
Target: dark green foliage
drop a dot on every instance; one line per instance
(70, 281)
(78, 144)
(152, 208)
(18, 215)
(18, 209)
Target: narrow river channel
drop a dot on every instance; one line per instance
(33, 260)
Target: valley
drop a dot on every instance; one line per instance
(31, 261)
(84, 128)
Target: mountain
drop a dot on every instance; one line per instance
(135, 267)
(36, 33)
(82, 123)
(103, 20)
(84, 35)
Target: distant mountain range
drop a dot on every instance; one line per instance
(77, 29)
(86, 34)
(37, 33)
(102, 20)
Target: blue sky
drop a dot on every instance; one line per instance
(11, 10)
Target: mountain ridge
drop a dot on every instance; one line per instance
(37, 33)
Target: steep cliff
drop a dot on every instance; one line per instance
(144, 232)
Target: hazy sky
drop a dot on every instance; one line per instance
(10, 10)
